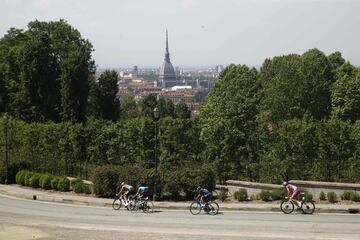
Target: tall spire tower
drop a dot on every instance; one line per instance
(167, 54)
(167, 73)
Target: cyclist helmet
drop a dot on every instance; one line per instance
(198, 188)
(122, 184)
(285, 183)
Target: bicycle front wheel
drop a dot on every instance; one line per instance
(148, 206)
(308, 207)
(116, 204)
(213, 208)
(195, 208)
(287, 206)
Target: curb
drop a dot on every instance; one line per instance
(162, 206)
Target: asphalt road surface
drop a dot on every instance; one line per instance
(24, 220)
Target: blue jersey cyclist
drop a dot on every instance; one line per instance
(142, 191)
(203, 194)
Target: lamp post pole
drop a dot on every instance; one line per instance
(6, 147)
(156, 116)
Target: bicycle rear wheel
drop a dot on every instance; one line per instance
(287, 206)
(117, 204)
(308, 207)
(148, 206)
(195, 208)
(213, 208)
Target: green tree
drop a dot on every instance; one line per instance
(108, 88)
(295, 85)
(346, 97)
(147, 105)
(45, 72)
(228, 123)
(128, 108)
(182, 110)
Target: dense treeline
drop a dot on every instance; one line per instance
(295, 117)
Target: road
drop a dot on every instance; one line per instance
(24, 220)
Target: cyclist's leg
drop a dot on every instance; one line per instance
(207, 198)
(294, 197)
(126, 198)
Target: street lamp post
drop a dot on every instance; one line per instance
(6, 147)
(156, 116)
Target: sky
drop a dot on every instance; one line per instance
(125, 33)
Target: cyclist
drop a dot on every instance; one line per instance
(293, 192)
(142, 191)
(125, 191)
(204, 195)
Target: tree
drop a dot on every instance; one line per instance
(128, 108)
(167, 108)
(294, 85)
(182, 110)
(228, 123)
(45, 72)
(147, 105)
(108, 88)
(346, 97)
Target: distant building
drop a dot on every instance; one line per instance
(135, 72)
(219, 68)
(167, 74)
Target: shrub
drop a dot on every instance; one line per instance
(346, 195)
(355, 197)
(54, 183)
(173, 181)
(87, 189)
(278, 193)
(35, 179)
(27, 178)
(223, 195)
(105, 179)
(20, 177)
(64, 184)
(241, 195)
(77, 185)
(332, 197)
(322, 196)
(308, 196)
(45, 181)
(265, 195)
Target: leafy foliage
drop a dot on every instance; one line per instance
(322, 196)
(241, 195)
(332, 197)
(63, 184)
(265, 195)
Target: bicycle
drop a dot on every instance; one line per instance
(211, 208)
(287, 205)
(119, 201)
(144, 204)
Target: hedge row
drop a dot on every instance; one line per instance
(48, 181)
(176, 184)
(346, 195)
(265, 195)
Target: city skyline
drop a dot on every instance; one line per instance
(202, 33)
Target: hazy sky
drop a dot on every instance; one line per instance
(201, 32)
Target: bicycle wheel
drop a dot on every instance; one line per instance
(308, 207)
(195, 208)
(287, 206)
(148, 206)
(116, 204)
(213, 208)
(135, 206)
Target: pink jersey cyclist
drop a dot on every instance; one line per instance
(291, 189)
